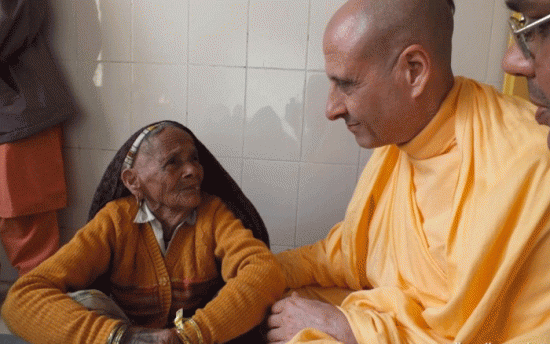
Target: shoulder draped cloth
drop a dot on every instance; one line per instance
(492, 281)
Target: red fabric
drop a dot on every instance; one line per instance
(29, 240)
(31, 175)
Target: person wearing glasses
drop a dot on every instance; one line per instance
(530, 55)
(447, 236)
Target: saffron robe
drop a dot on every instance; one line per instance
(446, 238)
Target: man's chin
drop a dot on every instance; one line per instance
(542, 115)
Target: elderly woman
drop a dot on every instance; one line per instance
(172, 240)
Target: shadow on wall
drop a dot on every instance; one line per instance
(87, 81)
(274, 136)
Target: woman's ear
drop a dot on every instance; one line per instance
(414, 66)
(131, 181)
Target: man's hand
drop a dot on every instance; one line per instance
(293, 314)
(140, 335)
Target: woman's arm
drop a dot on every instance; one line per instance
(39, 297)
(254, 281)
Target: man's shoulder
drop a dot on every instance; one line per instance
(504, 122)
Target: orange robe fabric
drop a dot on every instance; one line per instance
(32, 188)
(32, 179)
(446, 238)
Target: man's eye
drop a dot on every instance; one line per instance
(529, 35)
(171, 161)
(345, 86)
(543, 29)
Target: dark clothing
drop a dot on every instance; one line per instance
(33, 93)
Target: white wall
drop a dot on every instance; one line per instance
(247, 77)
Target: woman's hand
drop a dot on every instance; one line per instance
(141, 335)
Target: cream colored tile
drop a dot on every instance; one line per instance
(325, 191)
(323, 140)
(83, 171)
(500, 35)
(160, 31)
(89, 31)
(472, 34)
(216, 108)
(320, 13)
(233, 166)
(159, 92)
(104, 94)
(272, 186)
(274, 114)
(104, 30)
(278, 34)
(217, 34)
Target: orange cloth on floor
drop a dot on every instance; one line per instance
(446, 238)
(29, 240)
(31, 175)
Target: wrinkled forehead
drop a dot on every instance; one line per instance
(172, 137)
(169, 140)
(530, 8)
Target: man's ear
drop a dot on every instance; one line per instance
(414, 66)
(131, 181)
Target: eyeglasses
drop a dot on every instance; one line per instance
(524, 34)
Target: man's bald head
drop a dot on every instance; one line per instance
(383, 28)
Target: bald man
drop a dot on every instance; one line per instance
(447, 236)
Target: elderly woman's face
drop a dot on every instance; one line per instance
(169, 170)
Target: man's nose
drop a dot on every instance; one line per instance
(335, 107)
(514, 62)
(190, 169)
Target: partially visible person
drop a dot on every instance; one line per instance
(530, 55)
(34, 100)
(172, 240)
(447, 236)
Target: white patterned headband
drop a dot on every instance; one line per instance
(129, 160)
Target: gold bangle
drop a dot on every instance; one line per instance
(182, 336)
(178, 321)
(117, 333)
(180, 328)
(197, 329)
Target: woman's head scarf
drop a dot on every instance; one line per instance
(216, 182)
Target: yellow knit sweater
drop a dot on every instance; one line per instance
(149, 287)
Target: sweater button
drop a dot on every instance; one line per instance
(163, 281)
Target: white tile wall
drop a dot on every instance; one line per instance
(317, 181)
(216, 111)
(159, 91)
(278, 34)
(247, 77)
(274, 114)
(272, 186)
(217, 33)
(159, 30)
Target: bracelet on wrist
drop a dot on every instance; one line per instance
(117, 333)
(179, 321)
